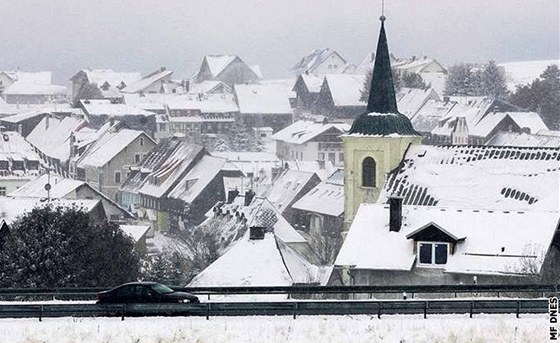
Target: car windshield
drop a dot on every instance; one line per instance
(161, 289)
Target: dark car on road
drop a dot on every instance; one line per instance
(144, 292)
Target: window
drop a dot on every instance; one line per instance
(341, 157)
(332, 157)
(136, 158)
(3, 191)
(141, 140)
(432, 253)
(368, 172)
(321, 156)
(118, 177)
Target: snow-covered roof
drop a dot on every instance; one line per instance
(147, 81)
(521, 73)
(246, 156)
(345, 89)
(217, 63)
(12, 208)
(60, 187)
(312, 83)
(487, 124)
(428, 116)
(416, 65)
(326, 198)
(524, 139)
(208, 86)
(136, 232)
(210, 104)
(287, 187)
(52, 135)
(287, 83)
(16, 118)
(482, 177)
(22, 88)
(114, 79)
(105, 107)
(108, 146)
(313, 60)
(197, 179)
(496, 242)
(303, 131)
(247, 263)
(36, 78)
(410, 100)
(163, 167)
(262, 213)
(13, 145)
(262, 99)
(323, 169)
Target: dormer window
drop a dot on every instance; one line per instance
(432, 253)
(433, 244)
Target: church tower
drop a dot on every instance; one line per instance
(378, 138)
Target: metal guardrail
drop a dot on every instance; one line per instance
(291, 308)
(304, 290)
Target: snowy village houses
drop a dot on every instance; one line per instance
(175, 185)
(30, 88)
(311, 141)
(419, 214)
(229, 69)
(107, 161)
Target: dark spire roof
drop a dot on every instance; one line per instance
(382, 116)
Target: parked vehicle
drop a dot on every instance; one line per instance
(144, 292)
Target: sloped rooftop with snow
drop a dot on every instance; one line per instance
(496, 242)
(303, 131)
(262, 99)
(288, 186)
(163, 167)
(196, 180)
(108, 146)
(345, 89)
(326, 198)
(480, 177)
(52, 136)
(524, 139)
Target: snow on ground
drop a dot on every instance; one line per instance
(355, 329)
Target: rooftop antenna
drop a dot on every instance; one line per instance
(382, 18)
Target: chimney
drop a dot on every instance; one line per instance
(232, 194)
(395, 213)
(256, 232)
(249, 195)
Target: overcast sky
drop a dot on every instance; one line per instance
(141, 35)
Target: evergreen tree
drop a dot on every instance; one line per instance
(493, 82)
(60, 247)
(542, 96)
(461, 81)
(412, 80)
(169, 268)
(87, 91)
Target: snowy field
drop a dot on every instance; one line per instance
(355, 329)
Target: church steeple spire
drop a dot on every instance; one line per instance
(382, 117)
(382, 97)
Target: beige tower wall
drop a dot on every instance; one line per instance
(387, 153)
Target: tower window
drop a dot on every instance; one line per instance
(368, 172)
